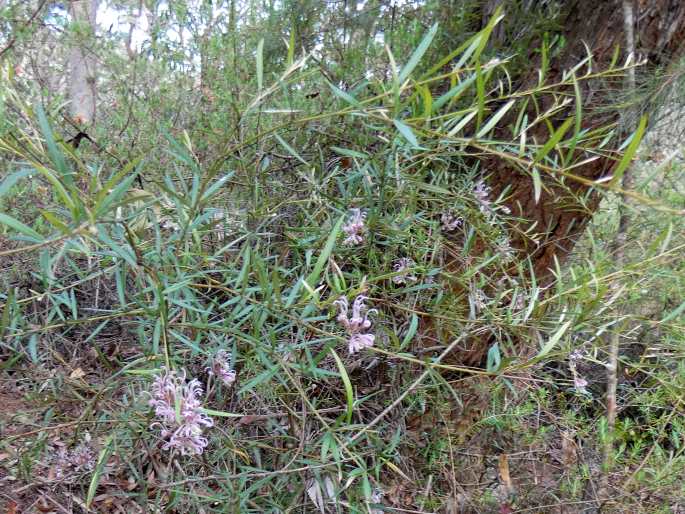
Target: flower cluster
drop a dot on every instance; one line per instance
(482, 193)
(579, 381)
(221, 368)
(358, 323)
(355, 228)
(450, 221)
(401, 266)
(178, 409)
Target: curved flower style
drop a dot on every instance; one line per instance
(221, 368)
(355, 325)
(177, 405)
(355, 228)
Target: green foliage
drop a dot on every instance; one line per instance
(211, 217)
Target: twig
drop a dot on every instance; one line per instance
(619, 245)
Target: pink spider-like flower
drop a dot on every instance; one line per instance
(358, 323)
(355, 228)
(401, 266)
(482, 192)
(222, 369)
(178, 408)
(450, 221)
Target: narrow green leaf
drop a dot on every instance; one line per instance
(33, 348)
(407, 133)
(221, 414)
(211, 190)
(325, 254)
(5, 320)
(494, 359)
(291, 48)
(349, 153)
(54, 221)
(12, 179)
(99, 468)
(537, 184)
(19, 227)
(495, 118)
(552, 141)
(553, 340)
(260, 64)
(115, 179)
(413, 327)
(56, 156)
(345, 96)
(453, 93)
(627, 158)
(427, 100)
(349, 394)
(417, 54)
(290, 150)
(674, 313)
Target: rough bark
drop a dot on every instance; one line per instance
(597, 26)
(82, 79)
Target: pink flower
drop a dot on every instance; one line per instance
(178, 408)
(358, 323)
(358, 342)
(355, 228)
(450, 221)
(482, 193)
(222, 369)
(580, 384)
(401, 266)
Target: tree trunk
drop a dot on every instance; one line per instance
(559, 217)
(82, 77)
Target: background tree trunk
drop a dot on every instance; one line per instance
(82, 79)
(558, 215)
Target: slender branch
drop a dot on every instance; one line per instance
(619, 245)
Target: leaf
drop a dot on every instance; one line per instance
(313, 277)
(349, 394)
(349, 153)
(537, 184)
(291, 47)
(453, 93)
(54, 221)
(674, 313)
(260, 64)
(209, 192)
(55, 154)
(99, 468)
(221, 414)
(553, 340)
(290, 150)
(427, 100)
(553, 140)
(12, 179)
(495, 118)
(6, 312)
(494, 359)
(417, 54)
(413, 326)
(345, 96)
(33, 348)
(635, 139)
(462, 123)
(19, 227)
(407, 133)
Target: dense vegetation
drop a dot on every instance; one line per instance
(269, 269)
